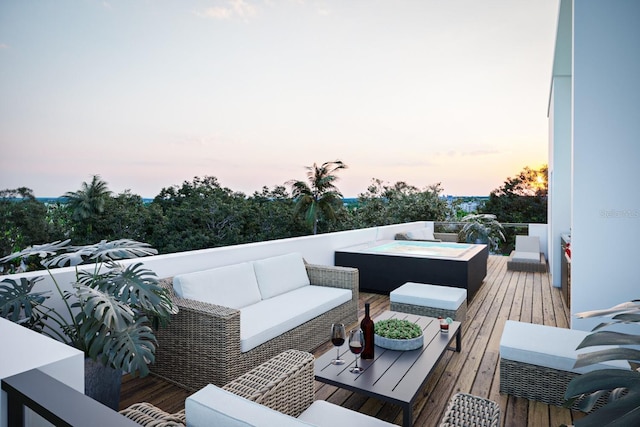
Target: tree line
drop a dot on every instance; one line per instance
(202, 214)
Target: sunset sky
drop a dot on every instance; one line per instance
(150, 93)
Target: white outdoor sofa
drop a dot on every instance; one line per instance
(233, 318)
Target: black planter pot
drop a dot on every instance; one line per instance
(102, 383)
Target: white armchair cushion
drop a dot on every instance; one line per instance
(421, 234)
(549, 346)
(213, 406)
(233, 286)
(280, 274)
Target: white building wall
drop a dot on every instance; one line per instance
(559, 213)
(606, 154)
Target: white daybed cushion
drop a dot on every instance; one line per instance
(280, 274)
(421, 234)
(233, 286)
(274, 316)
(213, 406)
(325, 414)
(549, 346)
(444, 297)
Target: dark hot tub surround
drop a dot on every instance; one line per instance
(385, 265)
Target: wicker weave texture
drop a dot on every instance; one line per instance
(531, 267)
(466, 410)
(534, 382)
(201, 345)
(284, 383)
(460, 314)
(539, 383)
(148, 415)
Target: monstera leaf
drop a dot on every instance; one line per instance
(42, 251)
(17, 301)
(622, 386)
(100, 252)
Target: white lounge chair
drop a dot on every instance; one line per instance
(527, 255)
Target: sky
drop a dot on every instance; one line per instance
(149, 94)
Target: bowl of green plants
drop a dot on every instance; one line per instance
(397, 334)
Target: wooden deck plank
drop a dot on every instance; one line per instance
(504, 295)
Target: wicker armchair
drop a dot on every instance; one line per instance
(284, 383)
(201, 345)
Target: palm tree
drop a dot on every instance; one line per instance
(89, 200)
(88, 203)
(320, 195)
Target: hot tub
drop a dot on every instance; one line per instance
(385, 265)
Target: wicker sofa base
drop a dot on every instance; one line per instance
(534, 382)
(460, 314)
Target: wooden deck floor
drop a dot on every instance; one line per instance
(527, 297)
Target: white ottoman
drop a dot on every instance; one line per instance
(430, 300)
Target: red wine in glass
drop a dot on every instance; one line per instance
(355, 348)
(356, 345)
(338, 337)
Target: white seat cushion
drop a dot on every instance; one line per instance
(272, 317)
(325, 414)
(548, 346)
(280, 274)
(525, 256)
(213, 406)
(421, 234)
(233, 286)
(444, 297)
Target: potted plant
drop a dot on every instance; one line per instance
(110, 312)
(482, 228)
(397, 334)
(621, 386)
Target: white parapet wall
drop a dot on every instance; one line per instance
(318, 249)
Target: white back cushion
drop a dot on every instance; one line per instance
(421, 234)
(528, 244)
(232, 286)
(280, 274)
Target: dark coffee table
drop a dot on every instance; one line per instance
(392, 376)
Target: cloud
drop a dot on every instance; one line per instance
(216, 12)
(233, 8)
(474, 153)
(4, 46)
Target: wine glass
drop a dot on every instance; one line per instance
(356, 345)
(338, 336)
